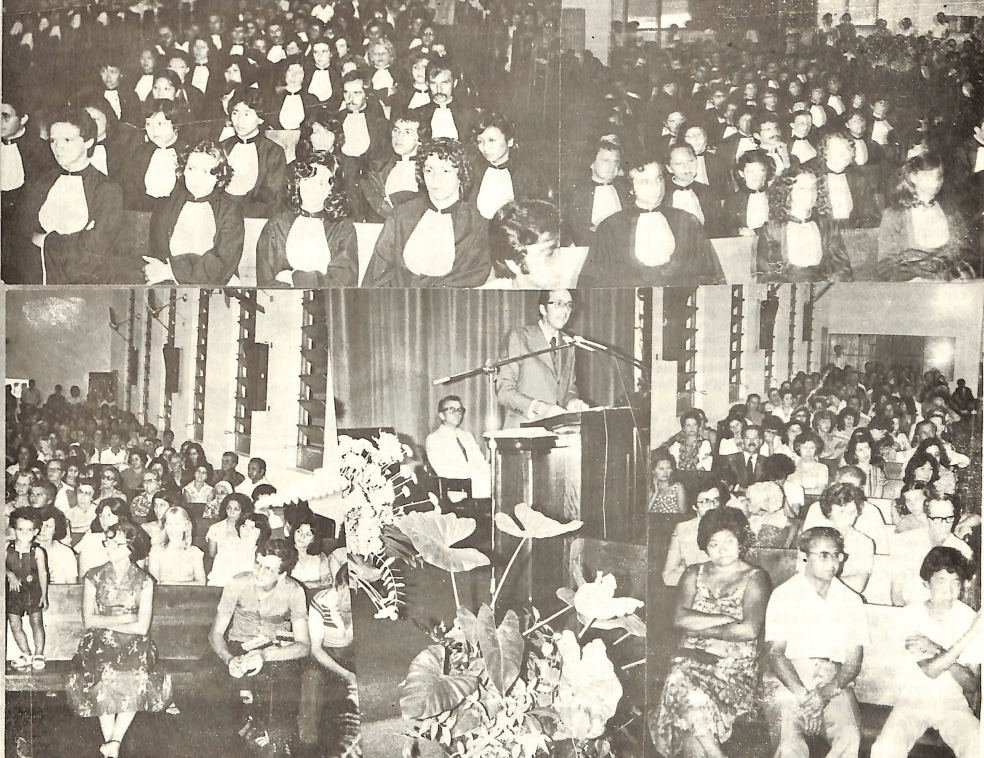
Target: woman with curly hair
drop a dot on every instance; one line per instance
(851, 206)
(801, 241)
(437, 239)
(196, 235)
(312, 242)
(714, 672)
(863, 453)
(919, 236)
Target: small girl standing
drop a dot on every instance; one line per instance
(27, 587)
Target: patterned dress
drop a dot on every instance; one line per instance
(711, 682)
(116, 670)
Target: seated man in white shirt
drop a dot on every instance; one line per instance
(815, 633)
(255, 476)
(453, 452)
(933, 677)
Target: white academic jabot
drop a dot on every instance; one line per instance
(65, 210)
(11, 167)
(194, 231)
(860, 151)
(803, 244)
(356, 131)
(430, 248)
(144, 85)
(403, 177)
(686, 199)
(292, 111)
(442, 123)
(161, 174)
(98, 159)
(276, 54)
(112, 97)
(320, 85)
(803, 149)
(841, 202)
(654, 240)
(702, 171)
(307, 245)
(383, 79)
(757, 211)
(744, 145)
(245, 161)
(419, 99)
(199, 79)
(604, 203)
(837, 104)
(880, 130)
(237, 50)
(979, 160)
(929, 226)
(495, 191)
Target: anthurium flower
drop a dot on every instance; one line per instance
(534, 524)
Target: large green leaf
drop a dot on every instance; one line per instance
(469, 625)
(428, 691)
(433, 534)
(501, 647)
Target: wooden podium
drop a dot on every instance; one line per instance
(590, 466)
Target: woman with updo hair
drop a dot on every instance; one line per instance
(690, 450)
(714, 673)
(311, 243)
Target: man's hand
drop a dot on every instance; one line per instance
(253, 662)
(236, 667)
(919, 644)
(548, 409)
(811, 708)
(576, 406)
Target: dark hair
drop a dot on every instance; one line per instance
(515, 227)
(358, 75)
(488, 119)
(77, 117)
(137, 540)
(89, 482)
(724, 519)
(811, 536)
(439, 63)
(449, 150)
(841, 493)
(842, 417)
(857, 437)
(781, 188)
(282, 549)
(661, 455)
(155, 105)
(919, 459)
(263, 489)
(947, 559)
(758, 156)
(705, 481)
(335, 207)
(26, 513)
(306, 516)
(46, 486)
(776, 467)
(411, 116)
(904, 193)
(808, 436)
(693, 413)
(245, 505)
(922, 447)
(250, 97)
(61, 521)
(116, 505)
(446, 399)
(259, 520)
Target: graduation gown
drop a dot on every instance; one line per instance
(612, 261)
(374, 188)
(772, 256)
(217, 265)
(308, 102)
(334, 100)
(527, 182)
(264, 199)
(899, 256)
(865, 212)
(465, 119)
(577, 206)
(36, 159)
(134, 175)
(90, 256)
(271, 254)
(472, 260)
(355, 167)
(735, 212)
(710, 204)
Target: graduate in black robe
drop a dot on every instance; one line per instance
(447, 115)
(151, 173)
(439, 239)
(366, 133)
(258, 164)
(746, 210)
(598, 192)
(390, 181)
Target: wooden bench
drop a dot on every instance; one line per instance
(183, 617)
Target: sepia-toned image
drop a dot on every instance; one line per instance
(814, 527)
(496, 445)
(177, 578)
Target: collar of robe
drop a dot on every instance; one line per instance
(679, 186)
(448, 210)
(924, 204)
(598, 183)
(657, 209)
(504, 165)
(14, 137)
(247, 140)
(310, 214)
(294, 92)
(66, 172)
(356, 113)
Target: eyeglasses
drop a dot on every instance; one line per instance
(941, 519)
(825, 556)
(453, 409)
(708, 500)
(566, 305)
(109, 476)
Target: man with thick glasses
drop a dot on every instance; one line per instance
(815, 633)
(453, 452)
(543, 385)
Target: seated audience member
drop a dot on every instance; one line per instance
(448, 116)
(595, 195)
(291, 103)
(90, 549)
(322, 79)
(803, 139)
(908, 549)
(690, 449)
(744, 468)
(82, 512)
(861, 452)
(197, 234)
(651, 243)
(921, 237)
(523, 237)
(256, 476)
(683, 551)
(236, 556)
(668, 494)
(453, 453)
(946, 480)
(437, 239)
(710, 169)
(933, 679)
(151, 174)
(800, 243)
(257, 163)
(810, 474)
(850, 206)
(196, 494)
(414, 93)
(391, 180)
(812, 667)
(763, 504)
(260, 633)
(502, 175)
(72, 216)
(174, 560)
(220, 491)
(747, 210)
(312, 243)
(365, 129)
(778, 468)
(687, 194)
(63, 563)
(228, 471)
(729, 434)
(841, 505)
(870, 521)
(229, 510)
(313, 569)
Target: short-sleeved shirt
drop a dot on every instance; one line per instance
(909, 678)
(255, 613)
(814, 626)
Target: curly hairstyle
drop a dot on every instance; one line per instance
(781, 189)
(724, 519)
(944, 459)
(859, 436)
(903, 194)
(390, 48)
(694, 414)
(947, 559)
(448, 150)
(776, 467)
(824, 147)
(26, 513)
(306, 516)
(841, 493)
(336, 205)
(324, 119)
(222, 171)
(705, 481)
(79, 118)
(244, 501)
(757, 156)
(518, 225)
(137, 540)
(918, 460)
(808, 436)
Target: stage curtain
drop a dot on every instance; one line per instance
(388, 346)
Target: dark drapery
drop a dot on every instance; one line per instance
(387, 347)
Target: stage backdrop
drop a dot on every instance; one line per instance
(387, 347)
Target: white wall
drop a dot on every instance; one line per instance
(220, 370)
(713, 351)
(598, 15)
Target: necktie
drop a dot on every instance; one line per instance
(464, 451)
(750, 465)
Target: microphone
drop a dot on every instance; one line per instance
(442, 380)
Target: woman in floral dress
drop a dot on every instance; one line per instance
(721, 610)
(116, 657)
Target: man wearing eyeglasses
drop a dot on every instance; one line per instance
(543, 385)
(815, 633)
(453, 452)
(908, 549)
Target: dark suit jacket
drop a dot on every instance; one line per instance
(575, 210)
(519, 384)
(736, 473)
